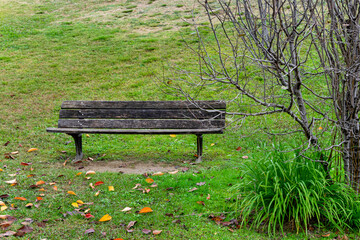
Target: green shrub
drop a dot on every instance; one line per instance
(284, 189)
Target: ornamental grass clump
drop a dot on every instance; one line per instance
(284, 190)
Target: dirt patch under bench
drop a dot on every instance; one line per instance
(127, 167)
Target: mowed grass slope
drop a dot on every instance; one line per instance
(53, 51)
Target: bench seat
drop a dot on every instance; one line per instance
(140, 117)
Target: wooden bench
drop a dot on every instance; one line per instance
(140, 117)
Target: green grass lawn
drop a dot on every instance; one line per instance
(53, 51)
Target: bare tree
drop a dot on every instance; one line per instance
(298, 58)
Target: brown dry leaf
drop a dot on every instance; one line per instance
(65, 163)
(105, 218)
(145, 210)
(238, 149)
(157, 232)
(326, 235)
(71, 192)
(158, 174)
(149, 180)
(88, 231)
(5, 225)
(201, 203)
(146, 231)
(174, 172)
(40, 182)
(8, 234)
(25, 164)
(32, 149)
(89, 172)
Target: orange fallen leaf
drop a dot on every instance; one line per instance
(32, 149)
(320, 128)
(158, 174)
(145, 210)
(39, 198)
(65, 163)
(111, 188)
(30, 175)
(2, 203)
(40, 182)
(71, 192)
(105, 218)
(52, 183)
(326, 235)
(79, 173)
(149, 180)
(20, 198)
(1, 170)
(55, 188)
(156, 232)
(41, 189)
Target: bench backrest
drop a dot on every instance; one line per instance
(142, 114)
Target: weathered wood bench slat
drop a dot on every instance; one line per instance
(140, 114)
(140, 117)
(137, 131)
(140, 124)
(144, 104)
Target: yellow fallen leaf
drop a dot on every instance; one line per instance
(97, 193)
(212, 144)
(11, 181)
(79, 202)
(172, 135)
(71, 192)
(2, 208)
(158, 174)
(90, 172)
(42, 189)
(1, 170)
(87, 135)
(29, 205)
(105, 218)
(149, 180)
(74, 204)
(2, 203)
(111, 188)
(145, 210)
(32, 149)
(40, 182)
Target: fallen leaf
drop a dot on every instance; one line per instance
(7, 143)
(24, 229)
(105, 218)
(212, 144)
(87, 135)
(40, 183)
(5, 225)
(174, 172)
(97, 193)
(2, 203)
(238, 149)
(25, 164)
(29, 205)
(200, 183)
(3, 208)
(157, 232)
(11, 181)
(65, 162)
(136, 186)
(88, 215)
(172, 135)
(149, 180)
(245, 157)
(131, 224)
(146, 231)
(201, 203)
(89, 172)
(1, 170)
(79, 202)
(126, 209)
(193, 189)
(55, 188)
(326, 235)
(3, 217)
(158, 174)
(99, 183)
(320, 128)
(71, 192)
(88, 231)
(42, 190)
(111, 188)
(145, 210)
(32, 149)
(208, 197)
(8, 234)
(74, 204)
(39, 198)
(154, 185)
(20, 198)
(79, 173)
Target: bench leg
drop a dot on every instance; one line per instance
(199, 147)
(78, 145)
